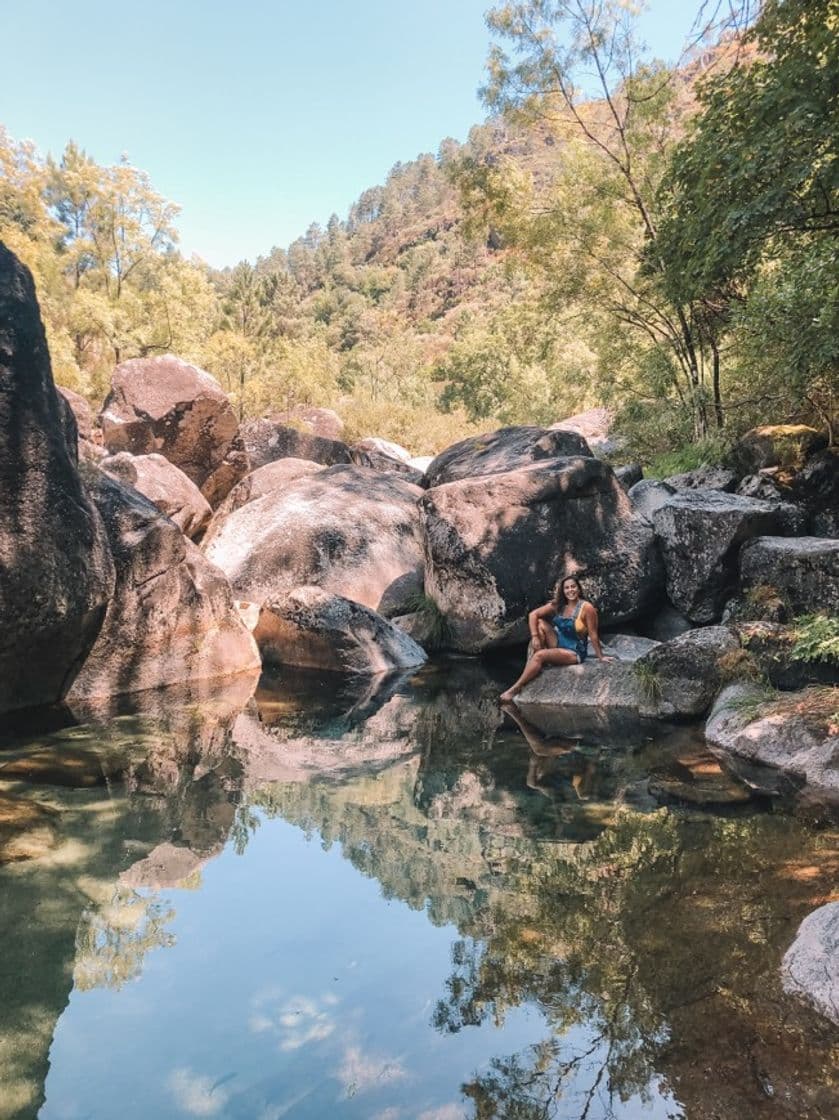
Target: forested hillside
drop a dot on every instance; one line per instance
(662, 242)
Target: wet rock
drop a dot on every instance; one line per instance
(495, 546)
(803, 570)
(172, 617)
(504, 450)
(313, 629)
(680, 678)
(698, 779)
(629, 475)
(166, 405)
(704, 478)
(350, 530)
(782, 735)
(700, 534)
(268, 440)
(56, 571)
(810, 967)
(165, 486)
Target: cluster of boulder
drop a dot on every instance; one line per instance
(165, 541)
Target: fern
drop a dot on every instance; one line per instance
(816, 638)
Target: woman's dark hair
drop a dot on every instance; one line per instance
(559, 597)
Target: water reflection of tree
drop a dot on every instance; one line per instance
(113, 940)
(659, 942)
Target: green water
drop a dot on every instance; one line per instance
(395, 903)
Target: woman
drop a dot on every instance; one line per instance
(560, 632)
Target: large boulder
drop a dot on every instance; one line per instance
(262, 481)
(495, 546)
(595, 426)
(311, 628)
(56, 571)
(804, 570)
(810, 968)
(310, 418)
(648, 495)
(350, 530)
(681, 677)
(166, 405)
(165, 486)
(775, 445)
(267, 440)
(501, 451)
(700, 533)
(81, 411)
(704, 478)
(172, 618)
(783, 734)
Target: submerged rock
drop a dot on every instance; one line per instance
(166, 405)
(165, 486)
(504, 450)
(495, 546)
(313, 629)
(172, 618)
(350, 530)
(810, 967)
(56, 571)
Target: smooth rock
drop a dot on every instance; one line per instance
(314, 629)
(680, 677)
(264, 480)
(495, 546)
(627, 647)
(504, 450)
(595, 426)
(267, 440)
(575, 698)
(165, 486)
(166, 405)
(351, 530)
(81, 410)
(810, 968)
(323, 422)
(56, 571)
(775, 445)
(804, 570)
(700, 533)
(172, 618)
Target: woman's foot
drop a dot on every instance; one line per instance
(507, 696)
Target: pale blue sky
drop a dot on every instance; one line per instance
(256, 116)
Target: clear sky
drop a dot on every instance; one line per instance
(257, 116)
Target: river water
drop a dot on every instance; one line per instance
(394, 902)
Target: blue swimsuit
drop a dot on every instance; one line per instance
(567, 635)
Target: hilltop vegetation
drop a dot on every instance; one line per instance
(664, 243)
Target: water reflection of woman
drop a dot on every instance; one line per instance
(544, 751)
(559, 633)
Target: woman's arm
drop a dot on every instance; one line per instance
(547, 611)
(591, 622)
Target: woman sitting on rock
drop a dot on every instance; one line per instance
(560, 632)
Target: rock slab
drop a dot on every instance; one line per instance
(165, 486)
(504, 450)
(810, 967)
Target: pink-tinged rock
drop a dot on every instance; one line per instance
(165, 486)
(167, 406)
(172, 618)
(264, 480)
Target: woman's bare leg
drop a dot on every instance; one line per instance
(546, 635)
(535, 666)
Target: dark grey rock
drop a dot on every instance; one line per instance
(648, 495)
(495, 546)
(681, 677)
(504, 450)
(700, 533)
(629, 475)
(56, 571)
(267, 440)
(704, 478)
(666, 623)
(804, 570)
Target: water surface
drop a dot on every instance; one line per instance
(391, 901)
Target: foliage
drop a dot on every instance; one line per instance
(739, 665)
(705, 453)
(648, 679)
(816, 638)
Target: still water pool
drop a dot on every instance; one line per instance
(394, 902)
